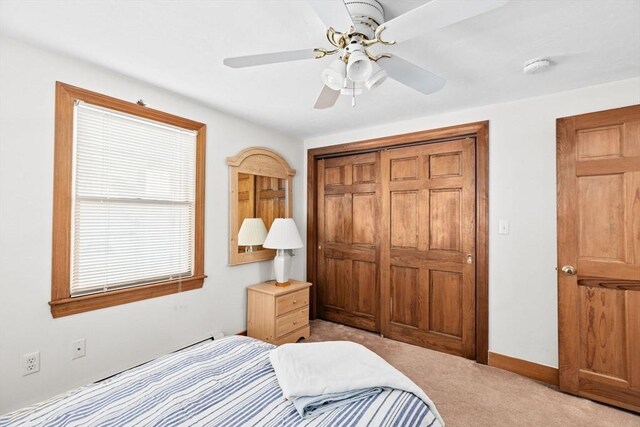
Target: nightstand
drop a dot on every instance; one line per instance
(278, 314)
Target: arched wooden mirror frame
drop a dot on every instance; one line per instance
(258, 161)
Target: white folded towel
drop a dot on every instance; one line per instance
(314, 369)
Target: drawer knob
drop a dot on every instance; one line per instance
(295, 322)
(294, 301)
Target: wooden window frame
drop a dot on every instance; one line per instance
(477, 130)
(62, 304)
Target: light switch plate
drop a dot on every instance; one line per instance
(503, 227)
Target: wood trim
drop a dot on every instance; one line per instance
(127, 107)
(62, 184)
(243, 333)
(482, 243)
(75, 305)
(425, 136)
(312, 236)
(62, 304)
(532, 370)
(239, 158)
(201, 159)
(477, 130)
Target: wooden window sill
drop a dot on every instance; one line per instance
(68, 306)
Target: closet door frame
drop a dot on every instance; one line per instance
(477, 130)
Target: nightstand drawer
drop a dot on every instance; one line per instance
(291, 322)
(292, 301)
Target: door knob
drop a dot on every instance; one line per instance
(569, 270)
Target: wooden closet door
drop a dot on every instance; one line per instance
(599, 255)
(348, 240)
(270, 198)
(428, 246)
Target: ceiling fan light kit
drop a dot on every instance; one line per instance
(366, 15)
(335, 74)
(357, 68)
(352, 90)
(378, 76)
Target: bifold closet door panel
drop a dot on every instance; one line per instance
(428, 245)
(348, 240)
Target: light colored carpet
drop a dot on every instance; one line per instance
(469, 394)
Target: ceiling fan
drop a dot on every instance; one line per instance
(357, 66)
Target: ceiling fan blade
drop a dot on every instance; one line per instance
(411, 75)
(333, 13)
(434, 15)
(269, 58)
(327, 98)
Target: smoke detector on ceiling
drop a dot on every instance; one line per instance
(534, 66)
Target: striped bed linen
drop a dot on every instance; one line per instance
(227, 382)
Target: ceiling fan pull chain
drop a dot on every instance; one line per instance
(353, 99)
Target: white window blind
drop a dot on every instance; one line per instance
(133, 201)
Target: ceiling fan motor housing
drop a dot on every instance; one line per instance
(367, 15)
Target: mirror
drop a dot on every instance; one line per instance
(261, 197)
(260, 188)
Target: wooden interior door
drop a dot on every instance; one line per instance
(428, 245)
(599, 255)
(348, 240)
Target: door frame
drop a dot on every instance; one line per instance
(477, 130)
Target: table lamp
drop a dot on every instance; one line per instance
(283, 235)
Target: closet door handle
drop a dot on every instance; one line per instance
(469, 259)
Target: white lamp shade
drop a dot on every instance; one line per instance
(359, 67)
(378, 76)
(252, 232)
(283, 235)
(334, 75)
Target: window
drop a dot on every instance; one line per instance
(128, 203)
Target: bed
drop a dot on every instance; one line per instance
(227, 382)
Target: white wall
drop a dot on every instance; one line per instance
(522, 189)
(122, 336)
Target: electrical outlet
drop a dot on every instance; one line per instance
(30, 363)
(78, 348)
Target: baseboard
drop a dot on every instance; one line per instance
(242, 333)
(537, 372)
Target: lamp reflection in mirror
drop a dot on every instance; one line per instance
(252, 233)
(282, 236)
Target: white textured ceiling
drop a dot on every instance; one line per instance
(180, 45)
